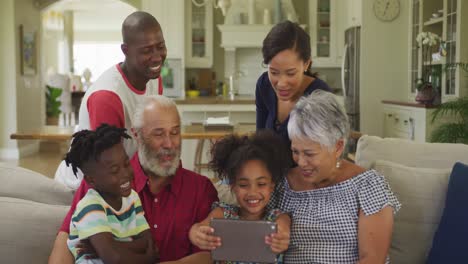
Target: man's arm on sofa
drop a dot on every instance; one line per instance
(60, 253)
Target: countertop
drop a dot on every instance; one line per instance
(240, 99)
(196, 131)
(410, 104)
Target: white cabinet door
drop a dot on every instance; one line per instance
(170, 15)
(451, 27)
(198, 35)
(328, 22)
(408, 122)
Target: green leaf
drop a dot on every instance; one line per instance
(450, 133)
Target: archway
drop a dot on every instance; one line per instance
(79, 36)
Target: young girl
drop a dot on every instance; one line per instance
(252, 165)
(110, 216)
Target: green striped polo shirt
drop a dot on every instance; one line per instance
(94, 215)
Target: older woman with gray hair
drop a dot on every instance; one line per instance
(341, 213)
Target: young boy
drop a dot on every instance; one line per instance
(109, 217)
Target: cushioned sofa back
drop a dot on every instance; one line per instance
(32, 209)
(409, 153)
(28, 230)
(418, 174)
(29, 185)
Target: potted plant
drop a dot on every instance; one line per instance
(53, 105)
(425, 90)
(457, 130)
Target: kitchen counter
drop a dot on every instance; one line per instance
(195, 131)
(409, 104)
(240, 99)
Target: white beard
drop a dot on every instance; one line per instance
(150, 160)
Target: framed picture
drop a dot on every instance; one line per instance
(28, 51)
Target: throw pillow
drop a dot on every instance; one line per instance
(451, 239)
(421, 192)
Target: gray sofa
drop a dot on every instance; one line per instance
(32, 209)
(418, 174)
(33, 206)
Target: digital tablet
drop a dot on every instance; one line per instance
(243, 240)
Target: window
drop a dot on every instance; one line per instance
(97, 56)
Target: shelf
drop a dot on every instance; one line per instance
(434, 21)
(435, 63)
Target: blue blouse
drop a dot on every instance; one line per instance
(267, 102)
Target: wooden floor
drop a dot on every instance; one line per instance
(45, 161)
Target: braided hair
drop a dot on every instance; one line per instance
(87, 145)
(231, 153)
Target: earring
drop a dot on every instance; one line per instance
(338, 164)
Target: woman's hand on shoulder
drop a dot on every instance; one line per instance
(279, 241)
(201, 234)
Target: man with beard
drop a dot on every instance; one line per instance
(173, 198)
(113, 97)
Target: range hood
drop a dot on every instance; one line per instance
(244, 36)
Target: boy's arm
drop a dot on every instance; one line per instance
(139, 242)
(111, 252)
(137, 245)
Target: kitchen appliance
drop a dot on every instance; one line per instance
(350, 75)
(172, 75)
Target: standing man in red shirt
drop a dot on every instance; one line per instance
(112, 99)
(173, 198)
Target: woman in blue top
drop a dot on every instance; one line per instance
(286, 51)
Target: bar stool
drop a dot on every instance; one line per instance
(197, 163)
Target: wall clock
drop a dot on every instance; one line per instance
(386, 10)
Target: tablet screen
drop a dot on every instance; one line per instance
(243, 240)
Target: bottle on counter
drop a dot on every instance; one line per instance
(225, 90)
(219, 89)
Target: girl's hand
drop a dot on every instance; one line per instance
(202, 237)
(279, 242)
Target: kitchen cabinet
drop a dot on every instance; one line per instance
(451, 26)
(408, 121)
(187, 29)
(326, 32)
(198, 35)
(170, 15)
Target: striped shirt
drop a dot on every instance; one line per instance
(94, 215)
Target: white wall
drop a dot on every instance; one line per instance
(384, 64)
(7, 79)
(30, 98)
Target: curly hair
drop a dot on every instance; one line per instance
(230, 154)
(87, 145)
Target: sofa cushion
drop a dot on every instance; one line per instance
(409, 153)
(29, 185)
(451, 239)
(421, 192)
(28, 230)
